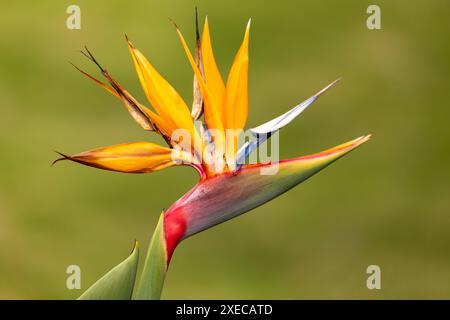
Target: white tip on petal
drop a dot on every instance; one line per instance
(263, 131)
(286, 118)
(318, 94)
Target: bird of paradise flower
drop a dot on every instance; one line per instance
(220, 194)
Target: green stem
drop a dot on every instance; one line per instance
(155, 266)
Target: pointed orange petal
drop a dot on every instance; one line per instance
(212, 115)
(236, 106)
(212, 74)
(163, 97)
(136, 157)
(140, 113)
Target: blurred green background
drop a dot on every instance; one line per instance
(386, 204)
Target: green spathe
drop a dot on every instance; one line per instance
(155, 266)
